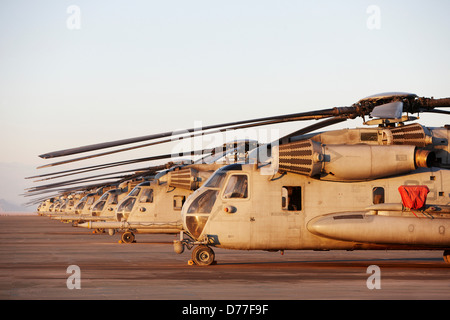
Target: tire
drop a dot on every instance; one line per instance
(128, 237)
(203, 255)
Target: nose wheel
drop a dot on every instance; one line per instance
(202, 255)
(128, 237)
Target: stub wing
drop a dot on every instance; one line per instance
(384, 228)
(155, 227)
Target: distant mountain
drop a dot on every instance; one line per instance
(13, 185)
(6, 206)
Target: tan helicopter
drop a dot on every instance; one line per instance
(44, 206)
(331, 190)
(154, 206)
(105, 207)
(378, 188)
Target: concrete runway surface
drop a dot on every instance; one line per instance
(37, 251)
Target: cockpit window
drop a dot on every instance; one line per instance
(146, 196)
(104, 196)
(216, 180)
(127, 205)
(204, 202)
(99, 206)
(81, 204)
(134, 192)
(237, 187)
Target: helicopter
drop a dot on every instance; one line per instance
(382, 188)
(154, 206)
(371, 188)
(44, 206)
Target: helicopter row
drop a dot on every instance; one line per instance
(384, 186)
(153, 205)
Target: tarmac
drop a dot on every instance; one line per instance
(38, 256)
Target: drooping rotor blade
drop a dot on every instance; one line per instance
(171, 140)
(412, 104)
(154, 168)
(126, 162)
(299, 116)
(315, 126)
(73, 189)
(269, 122)
(100, 175)
(262, 151)
(437, 111)
(431, 103)
(68, 182)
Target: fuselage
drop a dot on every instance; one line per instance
(240, 208)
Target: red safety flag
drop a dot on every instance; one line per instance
(413, 197)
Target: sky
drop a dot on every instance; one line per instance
(79, 72)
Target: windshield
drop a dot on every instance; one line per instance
(81, 204)
(134, 192)
(127, 205)
(99, 206)
(104, 196)
(216, 180)
(204, 202)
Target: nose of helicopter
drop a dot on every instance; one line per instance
(195, 224)
(196, 211)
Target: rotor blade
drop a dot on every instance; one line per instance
(167, 140)
(437, 111)
(431, 103)
(300, 116)
(68, 182)
(154, 168)
(141, 159)
(73, 189)
(120, 163)
(315, 126)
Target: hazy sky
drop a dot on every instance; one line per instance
(81, 72)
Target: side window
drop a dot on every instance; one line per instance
(378, 195)
(146, 195)
(178, 202)
(237, 187)
(291, 198)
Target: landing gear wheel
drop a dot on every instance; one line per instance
(203, 255)
(128, 237)
(447, 256)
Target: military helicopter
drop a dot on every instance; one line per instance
(44, 206)
(367, 188)
(378, 188)
(105, 207)
(154, 206)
